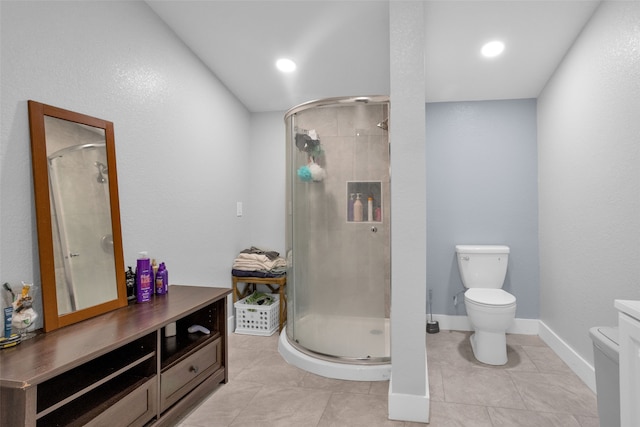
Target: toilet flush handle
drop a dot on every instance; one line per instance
(464, 258)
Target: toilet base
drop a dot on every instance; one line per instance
(489, 347)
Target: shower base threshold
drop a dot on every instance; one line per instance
(320, 365)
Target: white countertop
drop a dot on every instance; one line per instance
(629, 307)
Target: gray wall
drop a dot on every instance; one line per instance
(482, 189)
(589, 169)
(266, 202)
(182, 140)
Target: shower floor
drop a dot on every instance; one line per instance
(344, 336)
(338, 342)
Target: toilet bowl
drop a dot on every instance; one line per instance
(490, 313)
(490, 309)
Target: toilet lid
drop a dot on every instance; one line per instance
(492, 297)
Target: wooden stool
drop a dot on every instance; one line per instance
(271, 282)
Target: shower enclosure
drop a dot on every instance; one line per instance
(81, 213)
(338, 238)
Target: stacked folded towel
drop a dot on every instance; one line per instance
(256, 262)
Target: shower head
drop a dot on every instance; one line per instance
(102, 169)
(384, 125)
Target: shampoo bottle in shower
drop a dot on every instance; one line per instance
(352, 199)
(370, 208)
(357, 208)
(144, 278)
(161, 280)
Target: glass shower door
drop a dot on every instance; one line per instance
(83, 245)
(339, 231)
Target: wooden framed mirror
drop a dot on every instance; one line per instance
(78, 215)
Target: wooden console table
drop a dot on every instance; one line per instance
(271, 282)
(120, 368)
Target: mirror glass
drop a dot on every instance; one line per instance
(79, 237)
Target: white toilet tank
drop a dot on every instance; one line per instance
(482, 266)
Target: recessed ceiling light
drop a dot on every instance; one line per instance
(285, 65)
(492, 49)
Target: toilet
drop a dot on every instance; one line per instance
(490, 309)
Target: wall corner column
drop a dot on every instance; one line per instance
(409, 385)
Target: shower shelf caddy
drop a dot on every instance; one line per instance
(365, 189)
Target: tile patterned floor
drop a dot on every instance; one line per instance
(535, 388)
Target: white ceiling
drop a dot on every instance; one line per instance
(342, 47)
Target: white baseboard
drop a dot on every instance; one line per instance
(409, 407)
(231, 324)
(452, 323)
(577, 363)
(461, 323)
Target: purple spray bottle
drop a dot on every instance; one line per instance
(161, 280)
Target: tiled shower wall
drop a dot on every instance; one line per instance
(348, 271)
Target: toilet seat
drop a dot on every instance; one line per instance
(489, 297)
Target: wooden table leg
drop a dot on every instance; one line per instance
(283, 307)
(234, 282)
